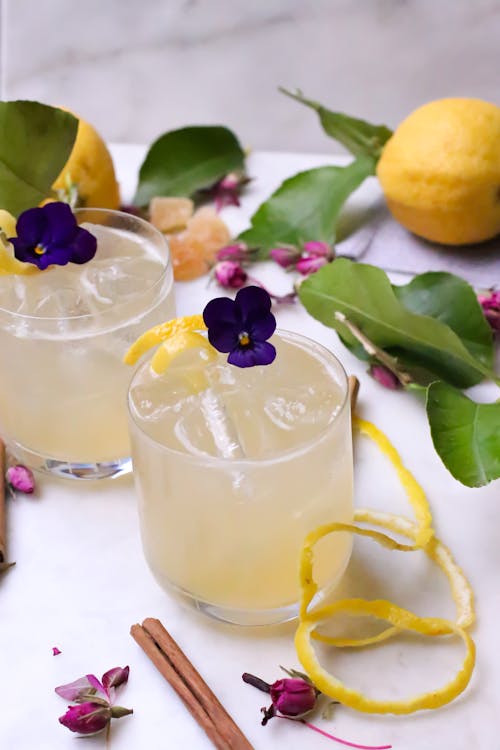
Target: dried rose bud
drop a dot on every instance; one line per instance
(285, 256)
(226, 191)
(21, 478)
(293, 697)
(230, 275)
(86, 718)
(306, 266)
(491, 308)
(56, 651)
(385, 377)
(236, 252)
(315, 249)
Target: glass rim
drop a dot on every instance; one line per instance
(113, 307)
(282, 457)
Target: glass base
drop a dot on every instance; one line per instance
(251, 617)
(71, 470)
(244, 617)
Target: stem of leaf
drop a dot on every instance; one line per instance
(370, 348)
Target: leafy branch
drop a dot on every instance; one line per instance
(373, 317)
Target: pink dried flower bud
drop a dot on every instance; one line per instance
(230, 275)
(226, 191)
(56, 651)
(385, 377)
(316, 249)
(237, 252)
(293, 697)
(491, 308)
(230, 181)
(115, 677)
(306, 266)
(21, 478)
(86, 718)
(285, 256)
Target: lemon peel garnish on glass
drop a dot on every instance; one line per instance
(161, 333)
(8, 262)
(421, 534)
(176, 345)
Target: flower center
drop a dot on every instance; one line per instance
(243, 338)
(40, 250)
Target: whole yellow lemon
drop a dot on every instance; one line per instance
(440, 171)
(90, 167)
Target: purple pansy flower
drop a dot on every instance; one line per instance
(50, 235)
(242, 327)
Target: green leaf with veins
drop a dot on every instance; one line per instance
(305, 207)
(453, 301)
(466, 435)
(359, 137)
(35, 143)
(183, 161)
(364, 294)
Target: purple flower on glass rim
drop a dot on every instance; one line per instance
(21, 478)
(242, 326)
(491, 308)
(50, 235)
(385, 377)
(285, 256)
(230, 274)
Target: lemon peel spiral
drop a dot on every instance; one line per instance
(422, 537)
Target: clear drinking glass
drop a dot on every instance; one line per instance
(63, 334)
(234, 467)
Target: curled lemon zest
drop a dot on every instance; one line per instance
(176, 345)
(421, 534)
(160, 333)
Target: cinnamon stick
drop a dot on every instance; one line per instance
(3, 517)
(176, 668)
(353, 386)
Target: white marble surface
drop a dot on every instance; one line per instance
(81, 581)
(139, 68)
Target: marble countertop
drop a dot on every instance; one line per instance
(81, 581)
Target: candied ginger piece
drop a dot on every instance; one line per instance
(193, 250)
(170, 214)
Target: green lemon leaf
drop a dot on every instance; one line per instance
(183, 161)
(305, 207)
(35, 143)
(357, 136)
(466, 435)
(364, 294)
(453, 301)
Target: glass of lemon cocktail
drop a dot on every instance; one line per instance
(63, 334)
(235, 464)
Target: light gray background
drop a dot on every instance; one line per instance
(136, 68)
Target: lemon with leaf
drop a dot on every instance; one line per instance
(440, 171)
(90, 171)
